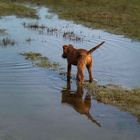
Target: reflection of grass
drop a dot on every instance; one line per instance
(128, 100)
(40, 61)
(10, 8)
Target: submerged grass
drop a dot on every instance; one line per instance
(2, 31)
(9, 8)
(7, 41)
(40, 60)
(127, 100)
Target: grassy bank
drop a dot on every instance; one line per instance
(10, 8)
(127, 100)
(120, 17)
(116, 16)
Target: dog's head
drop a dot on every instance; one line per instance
(66, 49)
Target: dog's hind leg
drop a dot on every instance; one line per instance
(89, 68)
(80, 71)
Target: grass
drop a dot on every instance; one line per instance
(52, 30)
(10, 8)
(36, 26)
(40, 60)
(7, 41)
(120, 17)
(127, 100)
(2, 31)
(72, 36)
(115, 16)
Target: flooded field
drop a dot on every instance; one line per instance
(38, 103)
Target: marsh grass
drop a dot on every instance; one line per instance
(40, 60)
(120, 17)
(34, 26)
(125, 99)
(41, 28)
(7, 41)
(8, 7)
(116, 16)
(72, 36)
(3, 31)
(52, 31)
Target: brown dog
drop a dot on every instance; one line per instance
(80, 58)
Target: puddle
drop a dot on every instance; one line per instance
(38, 103)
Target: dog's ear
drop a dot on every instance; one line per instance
(65, 46)
(70, 45)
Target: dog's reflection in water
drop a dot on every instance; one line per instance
(75, 99)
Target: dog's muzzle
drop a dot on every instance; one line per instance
(64, 56)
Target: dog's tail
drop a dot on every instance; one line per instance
(93, 49)
(92, 119)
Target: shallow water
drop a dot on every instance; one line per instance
(38, 103)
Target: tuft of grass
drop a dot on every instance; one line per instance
(7, 41)
(127, 100)
(38, 27)
(10, 8)
(31, 55)
(2, 31)
(40, 60)
(72, 36)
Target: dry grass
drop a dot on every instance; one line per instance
(127, 100)
(10, 8)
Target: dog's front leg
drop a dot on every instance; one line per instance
(68, 71)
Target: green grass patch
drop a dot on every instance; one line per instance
(10, 8)
(127, 100)
(40, 60)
